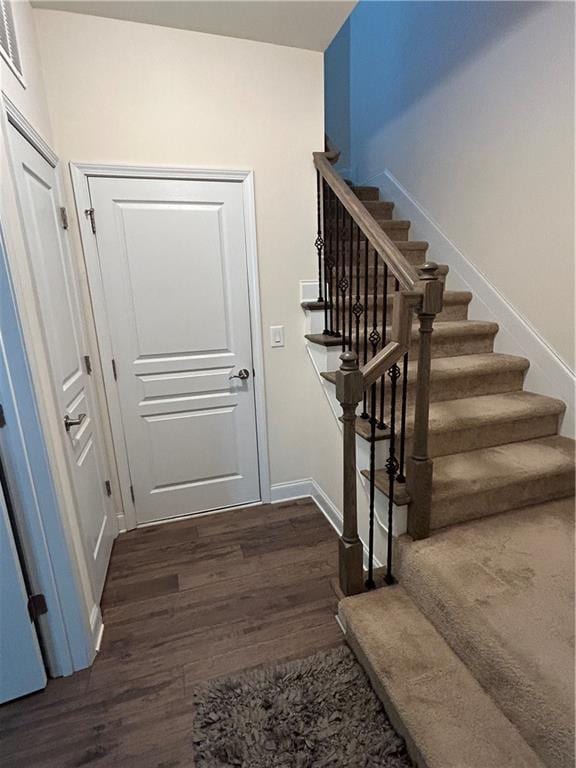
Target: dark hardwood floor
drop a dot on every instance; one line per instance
(184, 602)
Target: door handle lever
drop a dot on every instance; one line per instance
(68, 422)
(243, 374)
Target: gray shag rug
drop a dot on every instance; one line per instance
(319, 712)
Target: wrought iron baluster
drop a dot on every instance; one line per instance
(370, 584)
(358, 309)
(392, 470)
(374, 338)
(382, 422)
(364, 413)
(401, 477)
(319, 243)
(344, 281)
(337, 206)
(351, 279)
(327, 255)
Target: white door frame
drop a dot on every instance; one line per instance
(75, 627)
(81, 173)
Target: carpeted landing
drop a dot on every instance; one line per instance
(319, 712)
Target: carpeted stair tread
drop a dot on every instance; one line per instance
(480, 483)
(450, 338)
(380, 209)
(449, 721)
(366, 193)
(467, 424)
(464, 375)
(451, 298)
(501, 591)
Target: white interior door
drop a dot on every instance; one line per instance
(173, 266)
(58, 298)
(21, 666)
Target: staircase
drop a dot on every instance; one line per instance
(469, 645)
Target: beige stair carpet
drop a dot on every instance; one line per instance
(501, 592)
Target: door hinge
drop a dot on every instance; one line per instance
(37, 606)
(88, 364)
(114, 371)
(108, 488)
(2, 417)
(89, 213)
(64, 217)
(132, 494)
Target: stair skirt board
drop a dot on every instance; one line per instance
(548, 374)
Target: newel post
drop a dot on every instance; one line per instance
(419, 466)
(349, 391)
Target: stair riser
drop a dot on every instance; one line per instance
(488, 435)
(449, 313)
(413, 257)
(391, 285)
(379, 209)
(481, 436)
(456, 388)
(452, 346)
(396, 230)
(490, 502)
(367, 193)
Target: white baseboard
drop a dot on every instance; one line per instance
(96, 627)
(299, 489)
(309, 488)
(548, 374)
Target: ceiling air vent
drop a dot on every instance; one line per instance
(8, 43)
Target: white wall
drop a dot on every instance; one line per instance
(470, 106)
(337, 95)
(121, 92)
(51, 529)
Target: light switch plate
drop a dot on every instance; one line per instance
(276, 335)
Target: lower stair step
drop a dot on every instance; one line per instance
(467, 424)
(446, 717)
(501, 592)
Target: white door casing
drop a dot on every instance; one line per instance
(174, 280)
(58, 298)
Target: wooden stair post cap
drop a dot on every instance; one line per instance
(349, 361)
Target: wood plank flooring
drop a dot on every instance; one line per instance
(183, 602)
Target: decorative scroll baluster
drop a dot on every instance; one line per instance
(327, 258)
(401, 477)
(351, 287)
(337, 207)
(344, 281)
(319, 244)
(349, 389)
(374, 338)
(358, 308)
(382, 422)
(365, 414)
(370, 583)
(392, 470)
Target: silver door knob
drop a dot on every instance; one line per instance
(243, 373)
(68, 422)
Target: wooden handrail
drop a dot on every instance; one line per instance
(400, 267)
(418, 295)
(404, 303)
